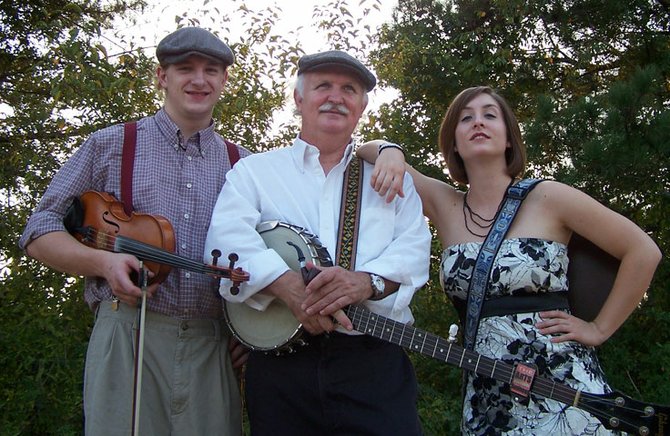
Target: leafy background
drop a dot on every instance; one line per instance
(589, 81)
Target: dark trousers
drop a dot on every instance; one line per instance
(336, 385)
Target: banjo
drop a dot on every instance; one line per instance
(277, 330)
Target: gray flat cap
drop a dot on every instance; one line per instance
(336, 58)
(188, 41)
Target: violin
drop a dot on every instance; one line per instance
(98, 220)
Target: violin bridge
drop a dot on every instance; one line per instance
(101, 239)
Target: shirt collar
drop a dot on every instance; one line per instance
(303, 151)
(171, 132)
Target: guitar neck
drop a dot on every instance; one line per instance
(615, 410)
(434, 346)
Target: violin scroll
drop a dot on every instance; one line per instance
(236, 275)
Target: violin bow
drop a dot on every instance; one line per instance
(139, 356)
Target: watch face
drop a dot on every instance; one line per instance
(377, 283)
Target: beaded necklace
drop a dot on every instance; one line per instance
(474, 216)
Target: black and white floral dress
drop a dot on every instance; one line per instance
(522, 266)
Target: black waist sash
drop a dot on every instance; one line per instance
(510, 304)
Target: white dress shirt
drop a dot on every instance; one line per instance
(289, 185)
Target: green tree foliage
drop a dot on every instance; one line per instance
(67, 69)
(589, 81)
(56, 84)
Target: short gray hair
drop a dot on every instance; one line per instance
(300, 84)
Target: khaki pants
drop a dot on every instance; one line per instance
(188, 384)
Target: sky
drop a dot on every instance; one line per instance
(158, 20)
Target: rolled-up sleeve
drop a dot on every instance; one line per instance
(69, 182)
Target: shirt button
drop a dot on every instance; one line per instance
(189, 157)
(183, 246)
(186, 216)
(187, 275)
(189, 185)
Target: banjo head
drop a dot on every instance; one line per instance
(266, 330)
(275, 328)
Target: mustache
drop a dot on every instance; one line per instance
(328, 107)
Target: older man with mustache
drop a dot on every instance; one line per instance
(341, 382)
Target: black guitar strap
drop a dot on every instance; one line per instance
(480, 276)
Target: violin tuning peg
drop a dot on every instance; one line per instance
(233, 257)
(215, 260)
(215, 256)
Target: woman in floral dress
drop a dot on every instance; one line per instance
(482, 146)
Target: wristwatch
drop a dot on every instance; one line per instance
(378, 286)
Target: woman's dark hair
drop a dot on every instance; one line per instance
(515, 155)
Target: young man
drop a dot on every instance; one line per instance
(189, 385)
(341, 382)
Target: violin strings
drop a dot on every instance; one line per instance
(146, 251)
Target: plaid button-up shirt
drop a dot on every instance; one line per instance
(177, 180)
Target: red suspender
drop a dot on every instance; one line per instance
(128, 162)
(233, 153)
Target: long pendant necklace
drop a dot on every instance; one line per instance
(474, 216)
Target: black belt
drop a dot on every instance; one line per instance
(342, 340)
(511, 304)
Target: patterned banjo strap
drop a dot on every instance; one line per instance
(480, 275)
(350, 209)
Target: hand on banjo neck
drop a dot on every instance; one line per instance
(309, 273)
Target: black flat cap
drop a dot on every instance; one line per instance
(336, 58)
(188, 41)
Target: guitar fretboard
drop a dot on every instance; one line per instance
(434, 346)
